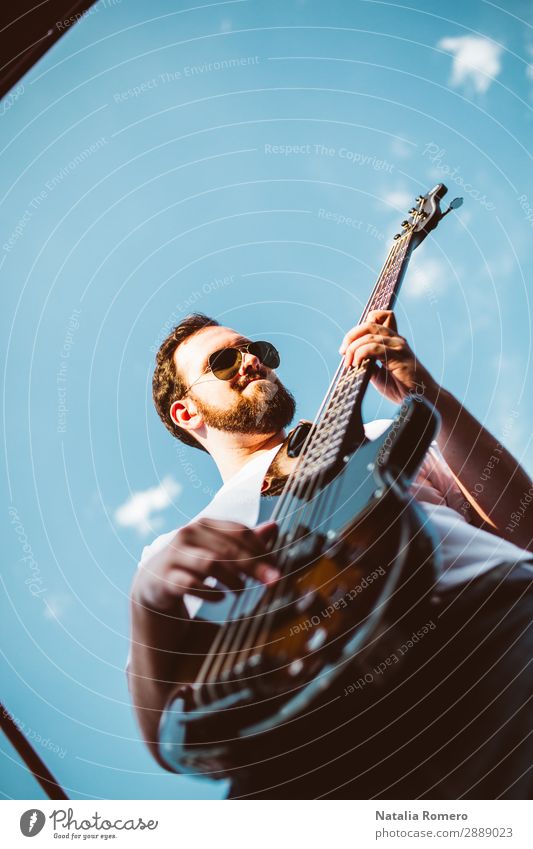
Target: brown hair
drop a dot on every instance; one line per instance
(167, 384)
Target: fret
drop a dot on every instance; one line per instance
(330, 432)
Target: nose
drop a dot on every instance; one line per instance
(249, 361)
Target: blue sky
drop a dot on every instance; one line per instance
(171, 157)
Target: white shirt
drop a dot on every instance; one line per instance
(466, 551)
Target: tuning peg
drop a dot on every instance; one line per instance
(419, 198)
(405, 223)
(455, 204)
(413, 210)
(397, 236)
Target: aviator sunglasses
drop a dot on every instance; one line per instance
(225, 363)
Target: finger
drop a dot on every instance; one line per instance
(362, 330)
(371, 346)
(223, 553)
(245, 552)
(185, 583)
(181, 582)
(220, 525)
(269, 526)
(201, 563)
(382, 338)
(228, 533)
(266, 532)
(264, 572)
(385, 317)
(231, 579)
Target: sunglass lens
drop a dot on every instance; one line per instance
(266, 352)
(225, 363)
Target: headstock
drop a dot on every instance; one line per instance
(426, 215)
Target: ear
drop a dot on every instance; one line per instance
(185, 414)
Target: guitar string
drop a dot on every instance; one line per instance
(238, 635)
(383, 292)
(222, 642)
(349, 378)
(236, 628)
(245, 636)
(257, 631)
(235, 633)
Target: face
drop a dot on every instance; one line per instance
(254, 401)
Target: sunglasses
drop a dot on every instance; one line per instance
(225, 363)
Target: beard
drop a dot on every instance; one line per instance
(269, 409)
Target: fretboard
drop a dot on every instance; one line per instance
(334, 430)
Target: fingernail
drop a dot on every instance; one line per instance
(269, 575)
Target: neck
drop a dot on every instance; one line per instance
(231, 451)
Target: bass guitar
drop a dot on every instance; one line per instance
(357, 559)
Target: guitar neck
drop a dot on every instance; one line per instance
(336, 427)
(390, 279)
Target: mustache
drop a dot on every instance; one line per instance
(251, 375)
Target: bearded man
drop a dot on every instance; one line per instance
(458, 726)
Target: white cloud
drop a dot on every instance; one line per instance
(400, 199)
(401, 149)
(427, 279)
(137, 511)
(476, 61)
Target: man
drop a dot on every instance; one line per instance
(458, 726)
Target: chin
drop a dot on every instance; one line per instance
(257, 380)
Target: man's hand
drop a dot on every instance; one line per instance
(400, 373)
(227, 551)
(467, 446)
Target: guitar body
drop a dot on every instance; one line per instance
(355, 584)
